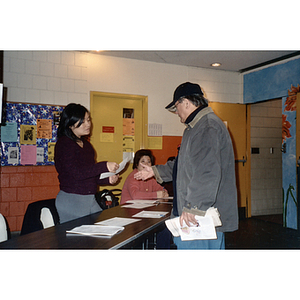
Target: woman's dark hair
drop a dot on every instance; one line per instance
(70, 116)
(139, 154)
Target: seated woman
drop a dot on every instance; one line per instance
(138, 189)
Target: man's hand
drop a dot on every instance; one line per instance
(146, 173)
(188, 219)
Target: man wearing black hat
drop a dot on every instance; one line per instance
(204, 172)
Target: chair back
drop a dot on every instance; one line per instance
(46, 218)
(3, 229)
(36, 218)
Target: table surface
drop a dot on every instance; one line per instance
(56, 237)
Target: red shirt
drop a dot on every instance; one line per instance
(138, 189)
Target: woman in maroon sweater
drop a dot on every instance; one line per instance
(78, 173)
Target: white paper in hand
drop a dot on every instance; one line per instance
(121, 168)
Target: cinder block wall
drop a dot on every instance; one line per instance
(266, 166)
(21, 185)
(46, 77)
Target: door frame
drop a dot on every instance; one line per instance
(144, 99)
(248, 158)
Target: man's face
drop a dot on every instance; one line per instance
(181, 110)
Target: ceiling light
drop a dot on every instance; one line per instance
(216, 64)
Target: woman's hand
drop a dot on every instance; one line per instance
(112, 166)
(165, 193)
(187, 218)
(146, 173)
(159, 194)
(162, 194)
(113, 179)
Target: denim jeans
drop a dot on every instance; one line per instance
(217, 244)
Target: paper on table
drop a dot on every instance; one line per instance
(138, 205)
(96, 230)
(142, 201)
(150, 214)
(150, 199)
(121, 167)
(117, 221)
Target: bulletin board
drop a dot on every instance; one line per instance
(29, 134)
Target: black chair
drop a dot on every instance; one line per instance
(40, 215)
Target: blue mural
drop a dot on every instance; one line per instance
(289, 171)
(272, 82)
(281, 81)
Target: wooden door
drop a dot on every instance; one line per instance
(119, 126)
(235, 118)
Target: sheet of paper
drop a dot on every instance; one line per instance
(128, 143)
(9, 133)
(214, 213)
(128, 126)
(44, 129)
(146, 201)
(155, 129)
(149, 200)
(140, 204)
(27, 134)
(106, 137)
(40, 154)
(51, 147)
(13, 155)
(121, 167)
(28, 155)
(117, 221)
(205, 231)
(150, 214)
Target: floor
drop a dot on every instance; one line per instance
(263, 232)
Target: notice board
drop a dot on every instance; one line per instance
(29, 134)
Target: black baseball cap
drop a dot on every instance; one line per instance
(185, 89)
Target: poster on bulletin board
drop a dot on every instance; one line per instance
(29, 134)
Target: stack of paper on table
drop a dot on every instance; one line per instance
(139, 204)
(107, 227)
(117, 221)
(96, 230)
(204, 231)
(150, 214)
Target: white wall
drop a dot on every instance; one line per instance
(61, 77)
(46, 77)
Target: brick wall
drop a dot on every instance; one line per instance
(21, 185)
